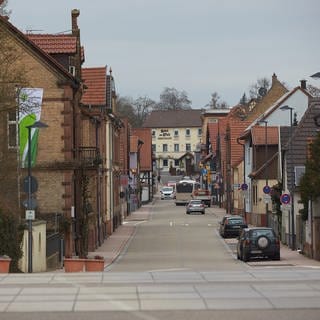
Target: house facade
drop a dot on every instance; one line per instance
(176, 136)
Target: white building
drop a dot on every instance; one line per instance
(176, 138)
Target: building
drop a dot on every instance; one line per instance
(176, 136)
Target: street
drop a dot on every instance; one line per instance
(175, 266)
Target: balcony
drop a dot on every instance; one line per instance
(88, 156)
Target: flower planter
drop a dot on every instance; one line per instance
(74, 264)
(5, 265)
(94, 265)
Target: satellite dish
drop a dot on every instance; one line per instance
(262, 91)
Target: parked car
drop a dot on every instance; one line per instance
(258, 242)
(195, 206)
(231, 225)
(167, 193)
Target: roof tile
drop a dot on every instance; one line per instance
(95, 80)
(51, 43)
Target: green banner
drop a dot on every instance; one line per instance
(30, 100)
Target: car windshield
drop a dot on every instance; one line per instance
(167, 189)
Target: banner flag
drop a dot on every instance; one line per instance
(30, 100)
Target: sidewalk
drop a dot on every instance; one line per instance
(288, 257)
(116, 242)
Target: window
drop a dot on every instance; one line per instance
(153, 133)
(188, 147)
(187, 132)
(176, 147)
(199, 131)
(154, 148)
(176, 163)
(165, 147)
(12, 130)
(165, 162)
(176, 133)
(299, 171)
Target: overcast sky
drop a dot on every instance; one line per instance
(200, 46)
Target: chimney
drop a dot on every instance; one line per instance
(74, 19)
(274, 78)
(303, 84)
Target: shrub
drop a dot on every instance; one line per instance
(11, 233)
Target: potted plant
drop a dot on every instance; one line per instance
(95, 264)
(4, 263)
(74, 264)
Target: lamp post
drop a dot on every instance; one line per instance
(38, 125)
(266, 159)
(291, 176)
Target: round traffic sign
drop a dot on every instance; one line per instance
(285, 198)
(266, 189)
(244, 186)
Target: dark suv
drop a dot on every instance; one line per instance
(231, 225)
(258, 242)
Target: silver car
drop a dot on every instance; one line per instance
(195, 206)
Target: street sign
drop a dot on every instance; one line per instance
(33, 203)
(285, 198)
(244, 186)
(30, 214)
(266, 189)
(267, 198)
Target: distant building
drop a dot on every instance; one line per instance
(176, 138)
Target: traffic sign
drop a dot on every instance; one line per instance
(285, 198)
(30, 214)
(244, 186)
(266, 189)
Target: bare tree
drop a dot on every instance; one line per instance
(172, 99)
(135, 110)
(255, 89)
(215, 102)
(12, 74)
(143, 106)
(3, 10)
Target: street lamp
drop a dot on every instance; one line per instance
(266, 160)
(37, 125)
(291, 176)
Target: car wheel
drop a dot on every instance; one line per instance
(263, 242)
(245, 257)
(276, 257)
(238, 256)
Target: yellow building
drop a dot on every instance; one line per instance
(176, 139)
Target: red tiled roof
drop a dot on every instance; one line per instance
(144, 134)
(213, 129)
(95, 79)
(173, 119)
(51, 43)
(236, 128)
(259, 135)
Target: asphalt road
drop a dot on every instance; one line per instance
(175, 266)
(173, 240)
